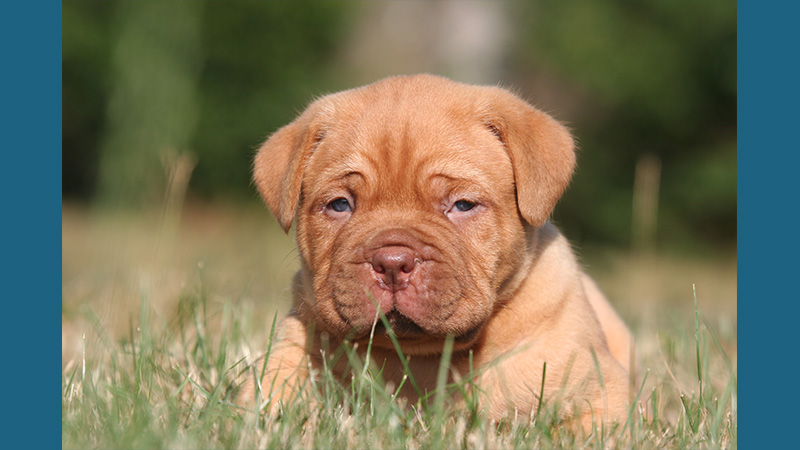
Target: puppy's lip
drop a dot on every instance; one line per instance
(402, 326)
(406, 329)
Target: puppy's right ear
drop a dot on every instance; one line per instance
(280, 162)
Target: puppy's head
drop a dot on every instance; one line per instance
(412, 195)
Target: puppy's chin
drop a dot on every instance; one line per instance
(411, 338)
(402, 327)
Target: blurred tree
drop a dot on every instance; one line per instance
(86, 50)
(144, 79)
(153, 107)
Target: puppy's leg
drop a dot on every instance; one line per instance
(286, 372)
(618, 336)
(515, 386)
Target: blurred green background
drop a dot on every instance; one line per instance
(159, 93)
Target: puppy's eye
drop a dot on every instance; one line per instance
(340, 204)
(461, 210)
(463, 205)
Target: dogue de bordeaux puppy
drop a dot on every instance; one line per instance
(429, 200)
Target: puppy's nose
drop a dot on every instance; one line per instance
(394, 265)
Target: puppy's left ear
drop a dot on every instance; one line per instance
(542, 153)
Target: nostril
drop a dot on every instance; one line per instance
(409, 266)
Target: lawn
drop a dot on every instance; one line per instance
(163, 314)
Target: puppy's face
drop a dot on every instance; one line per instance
(412, 195)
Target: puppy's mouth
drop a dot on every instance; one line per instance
(401, 326)
(406, 329)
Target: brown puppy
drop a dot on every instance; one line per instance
(429, 199)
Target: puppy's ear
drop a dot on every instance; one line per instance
(280, 162)
(542, 153)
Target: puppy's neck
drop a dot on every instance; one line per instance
(536, 238)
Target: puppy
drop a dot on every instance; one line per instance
(428, 200)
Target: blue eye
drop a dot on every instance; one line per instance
(340, 205)
(463, 205)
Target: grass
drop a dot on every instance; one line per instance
(153, 359)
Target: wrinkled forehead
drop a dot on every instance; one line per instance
(409, 134)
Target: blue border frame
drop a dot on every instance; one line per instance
(767, 127)
(30, 36)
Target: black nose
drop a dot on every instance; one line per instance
(394, 265)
